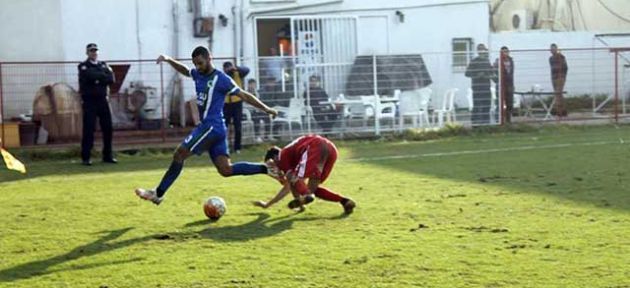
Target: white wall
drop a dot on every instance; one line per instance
(428, 29)
(30, 29)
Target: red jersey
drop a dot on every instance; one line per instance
(308, 156)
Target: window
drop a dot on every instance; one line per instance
(462, 53)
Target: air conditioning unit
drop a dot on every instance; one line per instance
(522, 20)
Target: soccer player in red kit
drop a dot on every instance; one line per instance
(309, 157)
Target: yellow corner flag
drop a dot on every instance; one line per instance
(12, 163)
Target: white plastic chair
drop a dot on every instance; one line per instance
(385, 111)
(247, 123)
(448, 108)
(469, 97)
(414, 104)
(290, 115)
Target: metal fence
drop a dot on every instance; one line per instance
(366, 96)
(596, 87)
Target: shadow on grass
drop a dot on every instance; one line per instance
(42, 267)
(261, 227)
(57, 165)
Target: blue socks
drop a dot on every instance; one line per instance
(169, 177)
(239, 168)
(248, 168)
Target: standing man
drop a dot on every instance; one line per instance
(559, 69)
(94, 77)
(233, 109)
(481, 73)
(209, 136)
(505, 68)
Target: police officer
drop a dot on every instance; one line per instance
(94, 77)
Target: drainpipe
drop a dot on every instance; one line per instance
(235, 37)
(241, 19)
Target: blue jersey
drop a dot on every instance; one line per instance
(211, 91)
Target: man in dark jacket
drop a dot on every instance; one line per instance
(325, 114)
(94, 77)
(505, 69)
(559, 69)
(481, 73)
(233, 107)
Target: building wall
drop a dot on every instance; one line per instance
(566, 15)
(30, 29)
(381, 32)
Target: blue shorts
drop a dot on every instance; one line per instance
(208, 138)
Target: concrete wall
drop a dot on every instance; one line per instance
(380, 31)
(566, 15)
(142, 29)
(30, 29)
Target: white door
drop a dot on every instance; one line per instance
(325, 46)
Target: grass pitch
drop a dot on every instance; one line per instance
(548, 208)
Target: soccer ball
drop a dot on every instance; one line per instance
(214, 207)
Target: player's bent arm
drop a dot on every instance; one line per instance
(178, 66)
(252, 100)
(281, 194)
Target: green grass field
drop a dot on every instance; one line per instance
(548, 208)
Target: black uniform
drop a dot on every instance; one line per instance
(481, 73)
(93, 82)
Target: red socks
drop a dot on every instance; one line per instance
(327, 195)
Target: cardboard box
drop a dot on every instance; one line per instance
(11, 134)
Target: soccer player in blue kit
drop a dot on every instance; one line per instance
(209, 136)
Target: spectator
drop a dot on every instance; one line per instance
(325, 114)
(259, 117)
(271, 67)
(94, 77)
(481, 73)
(559, 69)
(506, 90)
(233, 107)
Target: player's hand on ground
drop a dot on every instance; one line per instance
(260, 203)
(162, 58)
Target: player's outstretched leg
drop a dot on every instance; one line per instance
(227, 169)
(347, 203)
(156, 196)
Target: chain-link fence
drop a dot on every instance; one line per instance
(368, 96)
(585, 85)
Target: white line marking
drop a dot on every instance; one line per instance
(481, 151)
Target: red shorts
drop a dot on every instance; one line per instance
(317, 162)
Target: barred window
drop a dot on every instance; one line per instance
(462, 53)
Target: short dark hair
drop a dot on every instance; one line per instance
(227, 64)
(251, 80)
(554, 45)
(200, 50)
(504, 48)
(272, 153)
